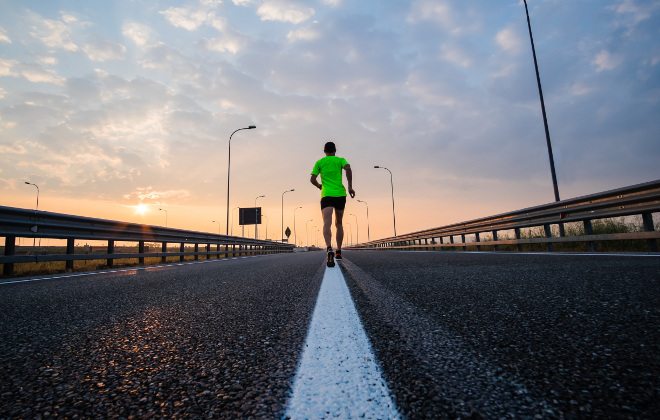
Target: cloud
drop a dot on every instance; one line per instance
(226, 44)
(455, 55)
(303, 34)
(149, 194)
(508, 40)
(284, 11)
(53, 33)
(580, 89)
(30, 72)
(3, 93)
(192, 18)
(138, 33)
(100, 50)
(332, 3)
(242, 2)
(4, 38)
(605, 61)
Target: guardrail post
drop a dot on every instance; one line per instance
(68, 265)
(217, 251)
(647, 220)
(589, 230)
(464, 243)
(208, 251)
(233, 250)
(196, 251)
(477, 240)
(496, 247)
(182, 250)
(163, 249)
(517, 233)
(548, 234)
(10, 250)
(111, 250)
(426, 242)
(141, 251)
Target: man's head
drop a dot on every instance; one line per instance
(329, 148)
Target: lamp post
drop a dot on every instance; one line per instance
(295, 235)
(213, 221)
(307, 232)
(545, 119)
(255, 216)
(36, 209)
(368, 230)
(264, 216)
(165, 215)
(392, 185)
(357, 229)
(229, 169)
(283, 211)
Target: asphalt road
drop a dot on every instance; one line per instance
(456, 335)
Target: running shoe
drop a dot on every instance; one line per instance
(338, 255)
(331, 258)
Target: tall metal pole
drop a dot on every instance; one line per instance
(283, 211)
(255, 219)
(391, 185)
(229, 169)
(36, 209)
(165, 216)
(350, 232)
(368, 229)
(545, 119)
(295, 235)
(357, 229)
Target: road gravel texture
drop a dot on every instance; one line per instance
(219, 339)
(502, 335)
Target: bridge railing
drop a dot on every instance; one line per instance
(24, 223)
(641, 199)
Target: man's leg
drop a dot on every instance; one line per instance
(327, 226)
(339, 217)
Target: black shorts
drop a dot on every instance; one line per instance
(338, 203)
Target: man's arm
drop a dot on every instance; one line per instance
(349, 178)
(314, 182)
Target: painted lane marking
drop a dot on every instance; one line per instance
(123, 270)
(338, 375)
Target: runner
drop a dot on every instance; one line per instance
(333, 196)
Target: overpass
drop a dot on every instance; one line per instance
(268, 333)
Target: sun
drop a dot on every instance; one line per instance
(141, 208)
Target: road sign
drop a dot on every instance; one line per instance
(249, 216)
(287, 232)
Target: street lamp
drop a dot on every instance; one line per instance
(357, 229)
(255, 216)
(229, 168)
(295, 236)
(392, 185)
(165, 215)
(36, 209)
(350, 232)
(545, 119)
(283, 211)
(306, 231)
(368, 232)
(264, 216)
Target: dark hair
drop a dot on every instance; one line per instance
(329, 147)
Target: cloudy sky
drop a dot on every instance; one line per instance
(107, 105)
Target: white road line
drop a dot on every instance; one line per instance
(338, 375)
(123, 270)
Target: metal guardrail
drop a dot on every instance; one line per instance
(641, 199)
(23, 223)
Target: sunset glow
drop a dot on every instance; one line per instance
(108, 104)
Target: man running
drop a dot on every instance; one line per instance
(333, 195)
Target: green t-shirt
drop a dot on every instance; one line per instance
(330, 168)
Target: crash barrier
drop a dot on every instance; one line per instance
(23, 223)
(641, 199)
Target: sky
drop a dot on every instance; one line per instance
(118, 109)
